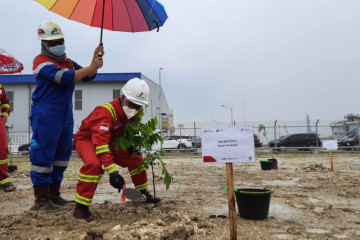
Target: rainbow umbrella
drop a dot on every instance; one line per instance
(115, 15)
(9, 64)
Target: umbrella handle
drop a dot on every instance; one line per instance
(99, 54)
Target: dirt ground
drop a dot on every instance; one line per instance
(309, 202)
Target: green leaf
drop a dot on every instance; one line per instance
(142, 137)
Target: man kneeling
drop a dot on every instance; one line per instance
(92, 142)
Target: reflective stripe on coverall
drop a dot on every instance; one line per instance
(92, 171)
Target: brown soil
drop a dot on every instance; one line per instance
(309, 202)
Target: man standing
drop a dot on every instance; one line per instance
(52, 115)
(5, 185)
(92, 142)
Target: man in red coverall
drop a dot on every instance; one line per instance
(5, 185)
(92, 142)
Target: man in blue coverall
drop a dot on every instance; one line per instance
(52, 116)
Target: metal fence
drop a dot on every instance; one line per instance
(266, 131)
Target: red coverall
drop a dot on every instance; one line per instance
(92, 143)
(5, 112)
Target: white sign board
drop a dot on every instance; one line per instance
(228, 144)
(330, 145)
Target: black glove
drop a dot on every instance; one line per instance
(131, 149)
(116, 180)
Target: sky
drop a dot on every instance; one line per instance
(266, 60)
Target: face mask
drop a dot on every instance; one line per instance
(58, 50)
(129, 112)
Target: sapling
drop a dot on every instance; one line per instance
(139, 138)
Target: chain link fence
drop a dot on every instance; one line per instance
(266, 131)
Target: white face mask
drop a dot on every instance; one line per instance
(129, 112)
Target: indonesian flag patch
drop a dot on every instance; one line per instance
(104, 126)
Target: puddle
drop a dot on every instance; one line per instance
(23, 187)
(283, 211)
(281, 183)
(343, 202)
(318, 209)
(340, 236)
(222, 210)
(284, 236)
(314, 200)
(317, 230)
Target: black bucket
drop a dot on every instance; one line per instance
(266, 164)
(275, 163)
(253, 203)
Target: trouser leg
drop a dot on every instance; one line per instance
(4, 172)
(89, 177)
(62, 157)
(138, 176)
(90, 173)
(4, 176)
(47, 128)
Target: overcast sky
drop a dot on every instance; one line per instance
(281, 59)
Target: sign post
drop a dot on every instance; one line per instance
(231, 200)
(228, 145)
(330, 145)
(331, 161)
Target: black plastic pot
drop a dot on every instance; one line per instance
(275, 163)
(266, 164)
(253, 203)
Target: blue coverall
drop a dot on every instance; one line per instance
(52, 119)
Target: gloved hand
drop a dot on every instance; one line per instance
(116, 180)
(131, 149)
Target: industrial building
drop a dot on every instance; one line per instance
(105, 87)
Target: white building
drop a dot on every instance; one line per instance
(104, 88)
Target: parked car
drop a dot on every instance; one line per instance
(257, 141)
(196, 141)
(186, 137)
(24, 149)
(299, 140)
(172, 143)
(347, 141)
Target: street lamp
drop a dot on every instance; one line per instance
(217, 122)
(159, 106)
(232, 121)
(180, 127)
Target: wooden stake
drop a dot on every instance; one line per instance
(331, 161)
(231, 201)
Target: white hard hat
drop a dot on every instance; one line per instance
(136, 91)
(49, 31)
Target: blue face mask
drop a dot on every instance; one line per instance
(58, 50)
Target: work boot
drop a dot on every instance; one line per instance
(150, 198)
(7, 187)
(42, 200)
(56, 197)
(82, 212)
